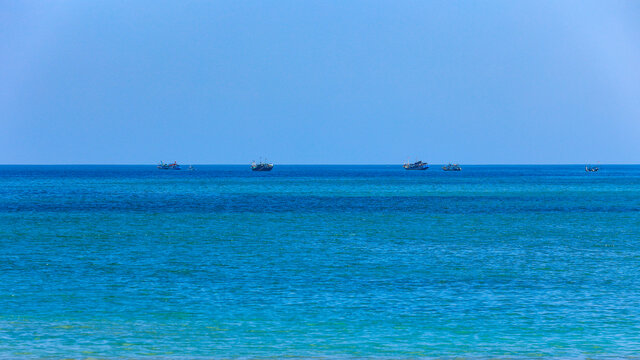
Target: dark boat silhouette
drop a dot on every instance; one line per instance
(164, 166)
(418, 165)
(261, 166)
(452, 167)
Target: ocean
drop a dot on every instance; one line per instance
(329, 262)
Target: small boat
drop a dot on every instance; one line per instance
(418, 165)
(452, 167)
(261, 166)
(191, 168)
(589, 168)
(164, 166)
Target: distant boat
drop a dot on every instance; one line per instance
(589, 168)
(418, 165)
(261, 166)
(164, 166)
(452, 167)
(191, 168)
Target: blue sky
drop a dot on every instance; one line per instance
(333, 82)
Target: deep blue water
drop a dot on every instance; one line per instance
(132, 262)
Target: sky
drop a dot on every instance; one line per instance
(319, 82)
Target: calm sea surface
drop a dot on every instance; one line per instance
(131, 262)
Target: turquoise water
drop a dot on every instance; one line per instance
(332, 262)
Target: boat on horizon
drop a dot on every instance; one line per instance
(418, 165)
(452, 167)
(165, 166)
(261, 166)
(589, 168)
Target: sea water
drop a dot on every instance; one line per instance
(132, 262)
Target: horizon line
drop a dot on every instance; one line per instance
(324, 164)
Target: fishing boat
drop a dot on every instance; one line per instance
(452, 167)
(589, 168)
(418, 165)
(261, 166)
(165, 166)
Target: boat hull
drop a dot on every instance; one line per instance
(452, 167)
(173, 166)
(418, 165)
(262, 168)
